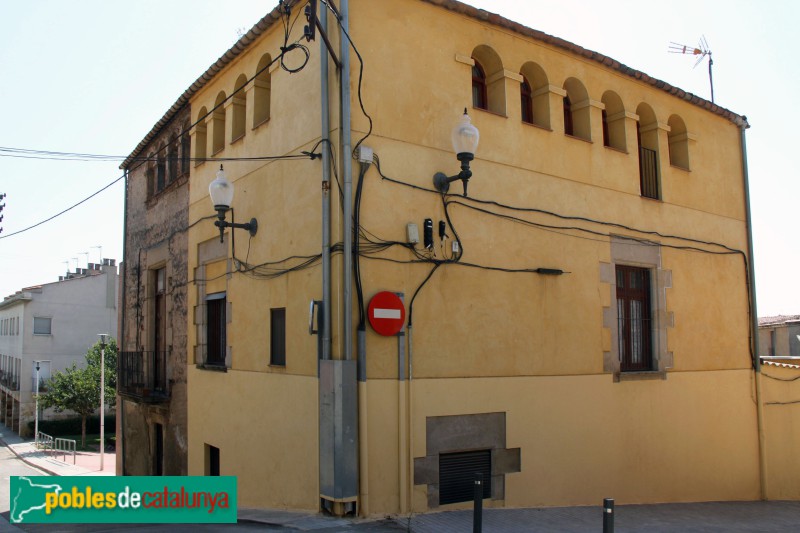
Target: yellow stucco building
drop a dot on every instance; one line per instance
(579, 328)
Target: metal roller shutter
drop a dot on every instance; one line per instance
(457, 475)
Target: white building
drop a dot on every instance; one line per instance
(54, 324)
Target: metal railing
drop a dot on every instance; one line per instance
(64, 447)
(648, 172)
(143, 375)
(44, 442)
(42, 384)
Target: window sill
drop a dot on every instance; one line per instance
(261, 123)
(237, 139)
(644, 375)
(678, 167)
(618, 150)
(489, 111)
(213, 368)
(537, 126)
(567, 135)
(650, 198)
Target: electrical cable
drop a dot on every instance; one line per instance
(360, 76)
(64, 211)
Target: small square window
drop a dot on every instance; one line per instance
(42, 325)
(277, 336)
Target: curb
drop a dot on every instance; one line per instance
(26, 461)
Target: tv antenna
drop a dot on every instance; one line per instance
(701, 50)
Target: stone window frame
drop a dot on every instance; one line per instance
(210, 251)
(642, 254)
(468, 432)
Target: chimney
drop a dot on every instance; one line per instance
(60, 278)
(90, 265)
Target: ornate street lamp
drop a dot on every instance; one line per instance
(465, 139)
(221, 192)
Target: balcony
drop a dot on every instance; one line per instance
(143, 376)
(9, 381)
(42, 385)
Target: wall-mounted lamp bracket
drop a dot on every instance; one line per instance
(251, 226)
(442, 181)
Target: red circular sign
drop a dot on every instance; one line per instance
(386, 313)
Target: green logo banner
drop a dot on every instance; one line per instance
(123, 500)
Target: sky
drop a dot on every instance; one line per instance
(94, 76)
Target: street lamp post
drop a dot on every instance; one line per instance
(36, 414)
(102, 398)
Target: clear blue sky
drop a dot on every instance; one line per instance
(94, 76)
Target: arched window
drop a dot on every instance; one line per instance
(239, 105)
(172, 159)
(186, 148)
(200, 141)
(218, 124)
(161, 169)
(491, 76)
(577, 110)
(678, 143)
(150, 174)
(479, 99)
(526, 101)
(534, 75)
(613, 121)
(647, 139)
(262, 89)
(569, 127)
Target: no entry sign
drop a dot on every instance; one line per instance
(386, 313)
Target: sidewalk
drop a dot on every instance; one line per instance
(711, 517)
(86, 463)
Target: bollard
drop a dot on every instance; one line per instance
(477, 507)
(608, 515)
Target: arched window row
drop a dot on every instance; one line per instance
(169, 161)
(541, 103)
(234, 108)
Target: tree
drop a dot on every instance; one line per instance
(78, 389)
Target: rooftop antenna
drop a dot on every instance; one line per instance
(101, 253)
(87, 256)
(701, 50)
(66, 263)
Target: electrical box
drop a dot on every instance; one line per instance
(413, 233)
(364, 154)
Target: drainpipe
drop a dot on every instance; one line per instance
(121, 344)
(326, 195)
(762, 441)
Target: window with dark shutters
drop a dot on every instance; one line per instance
(634, 319)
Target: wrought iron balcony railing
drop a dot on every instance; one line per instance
(143, 376)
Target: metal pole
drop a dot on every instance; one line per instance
(325, 332)
(608, 515)
(347, 171)
(477, 504)
(102, 399)
(36, 415)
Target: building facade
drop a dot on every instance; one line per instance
(54, 325)
(578, 327)
(152, 361)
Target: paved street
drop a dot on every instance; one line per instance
(715, 517)
(11, 465)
